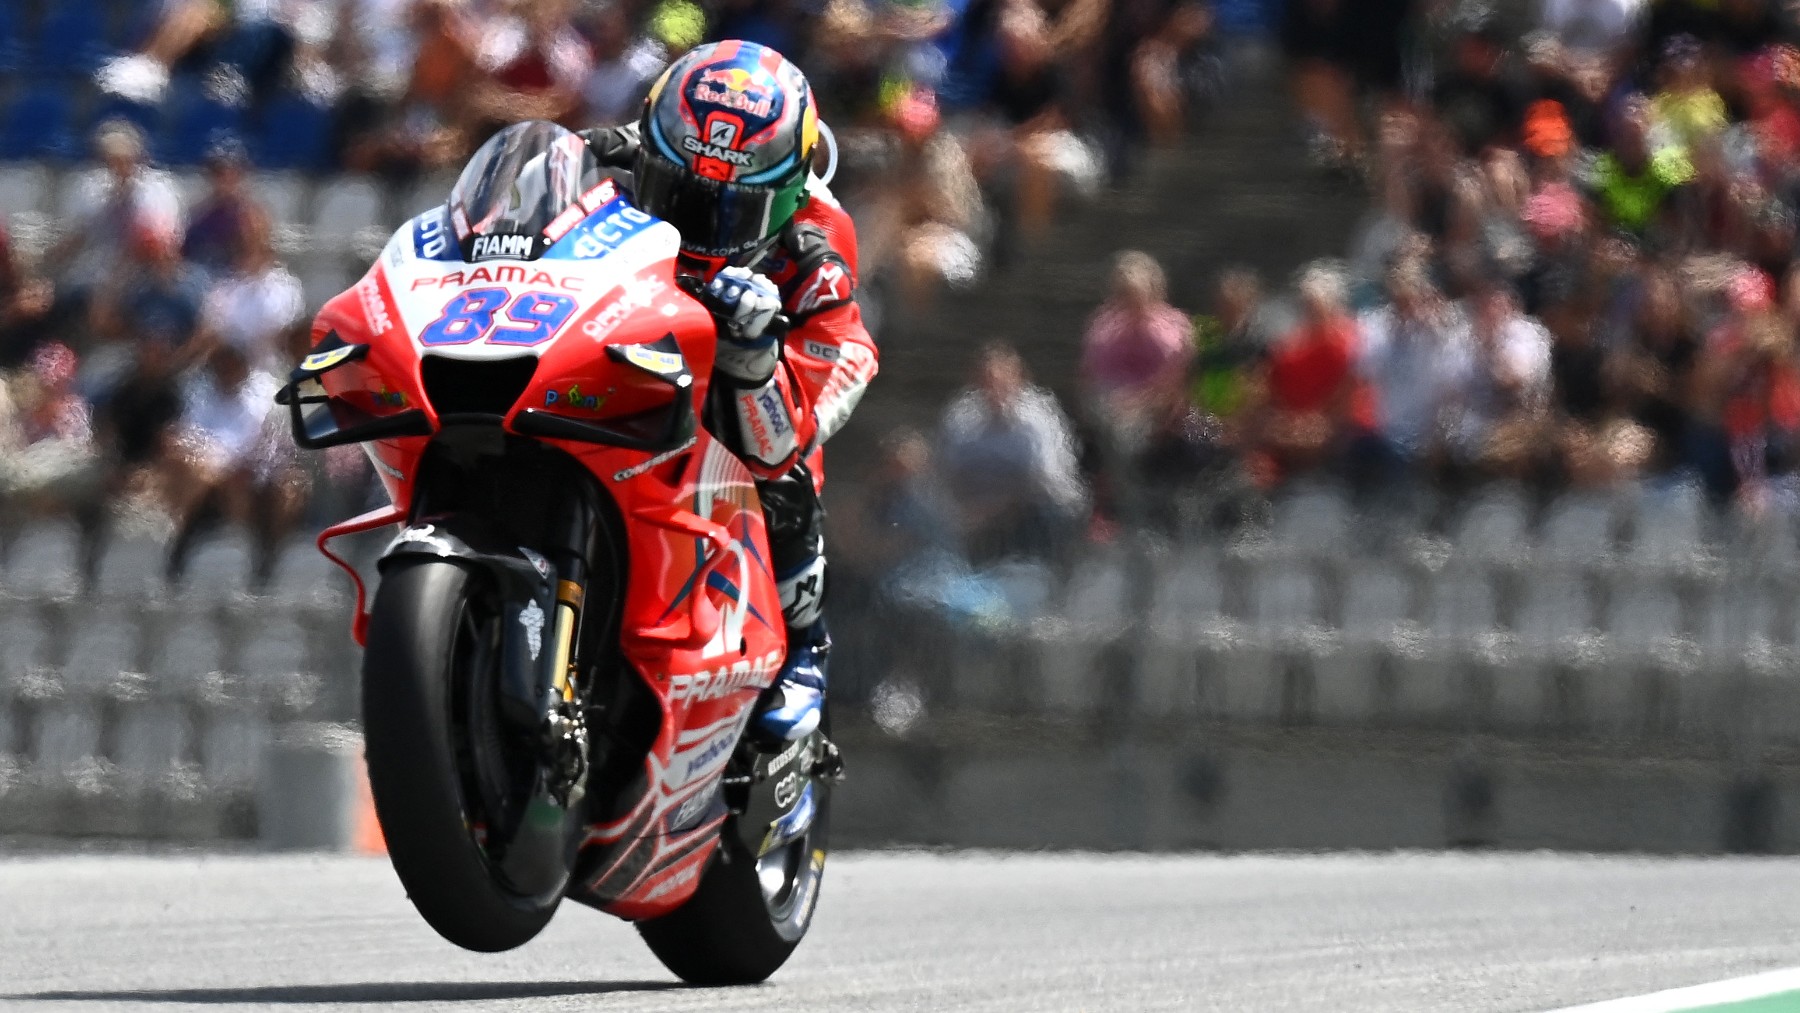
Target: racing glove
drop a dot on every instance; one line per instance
(745, 304)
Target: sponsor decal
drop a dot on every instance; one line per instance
(705, 757)
(762, 444)
(732, 78)
(502, 273)
(695, 146)
(492, 247)
(787, 756)
(424, 534)
(822, 350)
(711, 684)
(654, 361)
(574, 398)
(391, 398)
(532, 618)
(321, 361)
(430, 239)
(642, 466)
(634, 295)
(601, 235)
(830, 284)
(537, 561)
(679, 879)
(722, 133)
(561, 224)
(750, 105)
(692, 809)
(786, 790)
(779, 424)
(602, 193)
(369, 294)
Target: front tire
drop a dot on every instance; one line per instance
(421, 669)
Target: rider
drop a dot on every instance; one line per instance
(723, 152)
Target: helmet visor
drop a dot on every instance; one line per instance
(715, 218)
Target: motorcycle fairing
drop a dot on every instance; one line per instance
(701, 626)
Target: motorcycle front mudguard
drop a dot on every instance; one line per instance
(525, 583)
(539, 851)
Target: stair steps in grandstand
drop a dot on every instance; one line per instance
(1237, 191)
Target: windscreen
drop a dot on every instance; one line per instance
(515, 185)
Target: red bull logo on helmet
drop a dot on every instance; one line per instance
(737, 89)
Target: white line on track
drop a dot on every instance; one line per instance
(1699, 997)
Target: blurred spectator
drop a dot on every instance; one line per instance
(908, 539)
(626, 63)
(1657, 366)
(252, 307)
(1591, 25)
(156, 300)
(111, 204)
(927, 210)
(1309, 406)
(535, 64)
(1477, 97)
(216, 230)
(230, 463)
(1039, 148)
(1164, 80)
(46, 436)
(245, 44)
(1318, 37)
(149, 318)
(1634, 184)
(1135, 363)
(432, 122)
(1687, 109)
(25, 302)
(1136, 354)
(1416, 358)
(1228, 346)
(1496, 427)
(1009, 461)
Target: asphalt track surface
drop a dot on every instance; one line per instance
(1335, 933)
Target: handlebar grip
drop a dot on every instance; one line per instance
(693, 285)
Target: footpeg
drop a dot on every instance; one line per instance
(830, 765)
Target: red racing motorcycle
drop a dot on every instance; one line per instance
(576, 619)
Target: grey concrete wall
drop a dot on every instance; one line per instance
(1302, 791)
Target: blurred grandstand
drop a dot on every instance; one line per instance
(1515, 457)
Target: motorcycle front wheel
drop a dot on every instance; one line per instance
(440, 767)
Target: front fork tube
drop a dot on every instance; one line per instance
(574, 531)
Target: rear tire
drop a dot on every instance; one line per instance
(410, 666)
(734, 931)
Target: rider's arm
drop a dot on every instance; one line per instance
(830, 350)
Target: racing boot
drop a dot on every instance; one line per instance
(792, 708)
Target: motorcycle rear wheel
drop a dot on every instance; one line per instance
(423, 640)
(748, 913)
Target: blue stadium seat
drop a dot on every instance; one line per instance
(190, 124)
(133, 21)
(293, 133)
(70, 40)
(12, 47)
(116, 107)
(40, 124)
